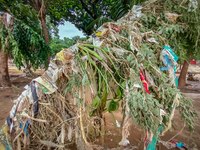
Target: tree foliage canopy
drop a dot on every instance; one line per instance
(25, 43)
(183, 33)
(57, 44)
(86, 14)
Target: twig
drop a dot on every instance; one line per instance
(177, 133)
(29, 117)
(44, 103)
(54, 113)
(18, 140)
(66, 120)
(20, 132)
(149, 3)
(81, 120)
(161, 38)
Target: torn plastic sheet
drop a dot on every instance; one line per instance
(60, 55)
(97, 42)
(149, 79)
(169, 59)
(26, 87)
(152, 40)
(53, 72)
(8, 17)
(74, 48)
(162, 113)
(180, 145)
(117, 51)
(136, 11)
(137, 86)
(152, 145)
(84, 58)
(49, 86)
(167, 62)
(25, 129)
(44, 90)
(28, 95)
(74, 67)
(13, 111)
(171, 54)
(5, 143)
(133, 48)
(22, 104)
(124, 143)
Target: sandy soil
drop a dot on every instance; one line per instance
(113, 134)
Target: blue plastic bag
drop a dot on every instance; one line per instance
(169, 60)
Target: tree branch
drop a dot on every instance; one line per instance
(94, 8)
(125, 2)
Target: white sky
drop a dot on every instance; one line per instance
(69, 30)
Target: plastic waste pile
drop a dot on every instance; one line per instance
(56, 108)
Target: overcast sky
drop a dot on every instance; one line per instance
(69, 30)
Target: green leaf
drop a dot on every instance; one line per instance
(96, 101)
(119, 93)
(93, 112)
(112, 105)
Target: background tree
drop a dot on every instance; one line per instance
(57, 44)
(82, 13)
(42, 7)
(181, 29)
(4, 75)
(22, 39)
(87, 15)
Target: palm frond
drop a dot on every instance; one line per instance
(99, 22)
(121, 8)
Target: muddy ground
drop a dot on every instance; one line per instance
(113, 134)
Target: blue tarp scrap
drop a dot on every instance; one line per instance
(170, 60)
(152, 145)
(180, 145)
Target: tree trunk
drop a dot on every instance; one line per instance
(28, 72)
(46, 34)
(4, 75)
(182, 77)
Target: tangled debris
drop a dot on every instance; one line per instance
(122, 60)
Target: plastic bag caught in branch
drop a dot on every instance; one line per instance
(118, 51)
(193, 5)
(152, 40)
(49, 86)
(137, 12)
(169, 59)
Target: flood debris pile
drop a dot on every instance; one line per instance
(123, 64)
